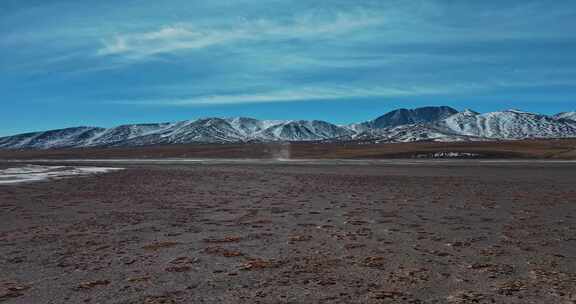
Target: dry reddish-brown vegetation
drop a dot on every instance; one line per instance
(543, 149)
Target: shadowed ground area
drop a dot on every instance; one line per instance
(281, 233)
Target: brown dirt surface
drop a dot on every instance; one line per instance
(517, 149)
(426, 233)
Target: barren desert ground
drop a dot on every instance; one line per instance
(556, 149)
(306, 232)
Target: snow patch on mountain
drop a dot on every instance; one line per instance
(69, 137)
(412, 133)
(566, 115)
(509, 124)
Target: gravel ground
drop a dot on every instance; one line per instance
(293, 234)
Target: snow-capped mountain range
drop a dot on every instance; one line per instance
(402, 125)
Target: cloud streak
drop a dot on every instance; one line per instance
(185, 36)
(308, 94)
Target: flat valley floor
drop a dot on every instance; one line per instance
(438, 232)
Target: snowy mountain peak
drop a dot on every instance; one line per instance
(469, 112)
(518, 111)
(406, 116)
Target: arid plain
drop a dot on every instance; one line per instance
(429, 231)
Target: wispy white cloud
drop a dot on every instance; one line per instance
(308, 94)
(186, 36)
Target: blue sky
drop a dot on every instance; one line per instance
(108, 62)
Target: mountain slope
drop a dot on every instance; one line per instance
(509, 124)
(306, 130)
(566, 115)
(412, 133)
(63, 138)
(423, 124)
(407, 116)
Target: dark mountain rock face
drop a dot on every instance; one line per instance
(405, 116)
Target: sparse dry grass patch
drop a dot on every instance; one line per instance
(159, 245)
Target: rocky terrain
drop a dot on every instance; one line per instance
(435, 232)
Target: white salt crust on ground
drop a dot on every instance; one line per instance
(34, 173)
